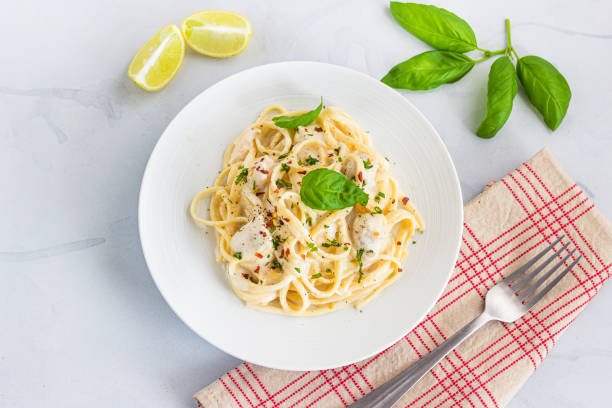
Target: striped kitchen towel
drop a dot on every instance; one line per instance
(504, 226)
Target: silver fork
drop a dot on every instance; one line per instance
(507, 301)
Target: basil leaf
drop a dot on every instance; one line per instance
(546, 88)
(295, 121)
(436, 26)
(428, 70)
(325, 189)
(501, 91)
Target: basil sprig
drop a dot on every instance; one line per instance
(291, 122)
(546, 88)
(328, 190)
(501, 91)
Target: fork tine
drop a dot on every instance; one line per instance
(512, 277)
(548, 287)
(522, 282)
(529, 291)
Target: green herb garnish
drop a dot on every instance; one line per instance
(298, 270)
(276, 241)
(242, 175)
(359, 255)
(377, 210)
(238, 255)
(312, 247)
(306, 119)
(311, 161)
(282, 156)
(282, 183)
(367, 164)
(315, 276)
(325, 189)
(277, 265)
(285, 167)
(331, 243)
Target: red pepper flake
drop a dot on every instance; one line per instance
(257, 254)
(286, 219)
(399, 242)
(289, 162)
(360, 176)
(301, 172)
(287, 252)
(257, 269)
(405, 200)
(264, 171)
(318, 129)
(277, 191)
(303, 256)
(299, 182)
(387, 159)
(245, 275)
(399, 269)
(259, 193)
(330, 154)
(393, 201)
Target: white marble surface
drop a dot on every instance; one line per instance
(81, 322)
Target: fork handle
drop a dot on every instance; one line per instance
(390, 392)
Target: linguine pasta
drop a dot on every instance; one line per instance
(283, 256)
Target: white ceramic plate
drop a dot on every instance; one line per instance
(181, 256)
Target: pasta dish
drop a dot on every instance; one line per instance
(308, 219)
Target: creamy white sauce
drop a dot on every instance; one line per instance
(369, 176)
(243, 145)
(310, 132)
(370, 232)
(252, 238)
(262, 169)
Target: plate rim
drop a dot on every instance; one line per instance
(400, 99)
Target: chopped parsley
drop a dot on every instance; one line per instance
(359, 255)
(242, 175)
(277, 265)
(377, 210)
(309, 220)
(282, 156)
(254, 186)
(272, 229)
(300, 163)
(298, 270)
(378, 196)
(325, 226)
(266, 153)
(329, 270)
(340, 159)
(285, 167)
(238, 255)
(282, 183)
(337, 150)
(316, 275)
(276, 241)
(331, 243)
(312, 247)
(311, 161)
(367, 164)
(381, 194)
